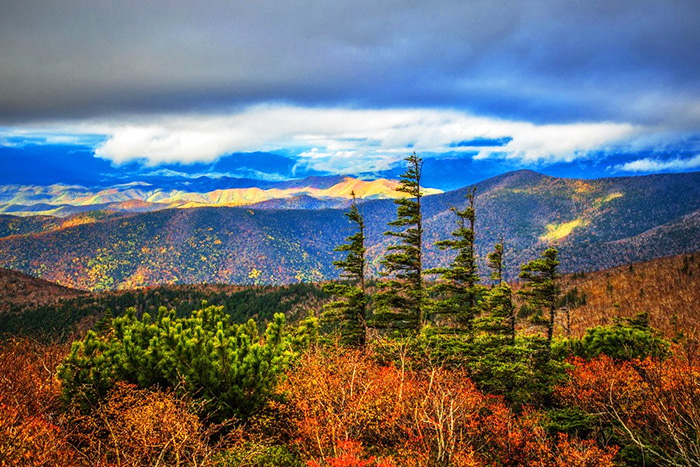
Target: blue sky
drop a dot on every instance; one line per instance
(103, 91)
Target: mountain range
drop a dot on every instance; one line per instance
(311, 192)
(594, 223)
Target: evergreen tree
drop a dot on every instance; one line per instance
(105, 323)
(495, 259)
(401, 303)
(457, 291)
(349, 313)
(499, 320)
(541, 288)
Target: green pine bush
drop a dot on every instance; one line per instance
(627, 339)
(231, 368)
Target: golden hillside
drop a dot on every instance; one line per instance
(668, 289)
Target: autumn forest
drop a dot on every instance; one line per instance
(450, 365)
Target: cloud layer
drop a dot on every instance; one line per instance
(338, 140)
(544, 61)
(353, 86)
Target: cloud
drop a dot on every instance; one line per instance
(544, 61)
(342, 140)
(18, 137)
(258, 175)
(559, 143)
(657, 165)
(238, 173)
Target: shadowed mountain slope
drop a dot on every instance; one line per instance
(595, 224)
(17, 288)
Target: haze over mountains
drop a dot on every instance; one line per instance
(595, 224)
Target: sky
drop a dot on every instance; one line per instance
(110, 91)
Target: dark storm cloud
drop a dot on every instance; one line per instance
(545, 61)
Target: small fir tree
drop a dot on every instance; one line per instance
(349, 313)
(495, 262)
(105, 323)
(499, 320)
(457, 291)
(541, 288)
(401, 302)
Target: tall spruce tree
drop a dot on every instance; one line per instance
(499, 319)
(457, 291)
(541, 289)
(349, 313)
(401, 302)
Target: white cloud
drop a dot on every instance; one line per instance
(560, 143)
(346, 161)
(238, 173)
(255, 174)
(652, 165)
(22, 137)
(343, 140)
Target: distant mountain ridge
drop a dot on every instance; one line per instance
(65, 200)
(595, 224)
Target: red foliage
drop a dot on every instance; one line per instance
(582, 453)
(351, 454)
(341, 400)
(654, 404)
(593, 383)
(342, 396)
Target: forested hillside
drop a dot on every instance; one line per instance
(668, 289)
(594, 223)
(18, 290)
(34, 316)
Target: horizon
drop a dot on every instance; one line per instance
(159, 184)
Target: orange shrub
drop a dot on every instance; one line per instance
(130, 427)
(142, 427)
(30, 426)
(653, 404)
(601, 383)
(582, 453)
(344, 409)
(351, 454)
(31, 440)
(449, 416)
(341, 395)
